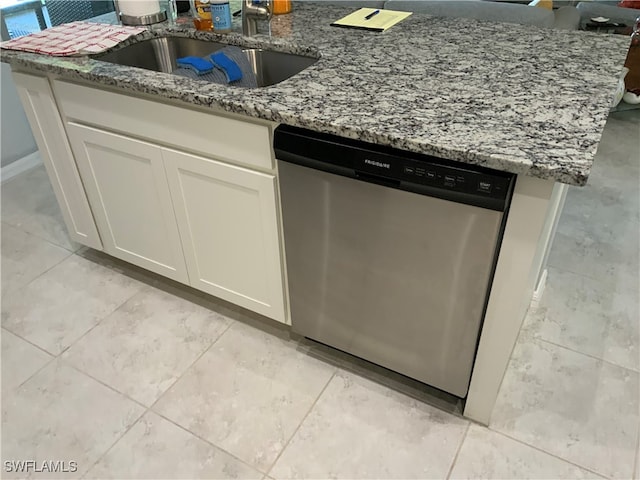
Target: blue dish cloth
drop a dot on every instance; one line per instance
(228, 66)
(197, 64)
(217, 75)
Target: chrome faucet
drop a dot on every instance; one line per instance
(252, 11)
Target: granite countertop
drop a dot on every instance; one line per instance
(515, 98)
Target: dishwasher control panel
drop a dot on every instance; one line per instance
(430, 174)
(455, 179)
(393, 168)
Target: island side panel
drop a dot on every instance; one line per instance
(519, 263)
(556, 205)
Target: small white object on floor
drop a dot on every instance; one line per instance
(77, 38)
(620, 89)
(631, 98)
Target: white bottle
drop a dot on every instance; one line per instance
(221, 16)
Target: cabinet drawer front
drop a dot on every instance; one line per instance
(48, 130)
(128, 189)
(228, 139)
(228, 224)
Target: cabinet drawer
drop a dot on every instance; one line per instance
(228, 139)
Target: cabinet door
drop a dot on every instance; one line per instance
(228, 223)
(128, 190)
(48, 130)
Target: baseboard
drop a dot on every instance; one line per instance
(537, 294)
(21, 165)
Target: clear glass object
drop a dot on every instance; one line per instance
(170, 7)
(635, 36)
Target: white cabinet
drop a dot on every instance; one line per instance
(229, 228)
(209, 221)
(42, 112)
(128, 190)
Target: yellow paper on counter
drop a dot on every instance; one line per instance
(380, 22)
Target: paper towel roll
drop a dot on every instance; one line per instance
(139, 8)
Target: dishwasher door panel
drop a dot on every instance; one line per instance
(394, 277)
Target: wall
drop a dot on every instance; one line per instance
(17, 140)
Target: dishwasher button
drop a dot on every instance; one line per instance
(484, 186)
(409, 170)
(449, 181)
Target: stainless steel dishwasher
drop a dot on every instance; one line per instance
(390, 255)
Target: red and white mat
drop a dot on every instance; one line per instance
(77, 38)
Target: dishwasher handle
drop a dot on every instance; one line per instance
(305, 161)
(377, 179)
(337, 169)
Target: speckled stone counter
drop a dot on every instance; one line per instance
(515, 98)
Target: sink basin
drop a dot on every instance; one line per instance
(160, 54)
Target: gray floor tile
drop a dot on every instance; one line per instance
(20, 360)
(490, 455)
(146, 344)
(24, 257)
(247, 394)
(157, 449)
(580, 252)
(61, 414)
(28, 202)
(606, 213)
(599, 229)
(570, 405)
(590, 317)
(61, 305)
(359, 429)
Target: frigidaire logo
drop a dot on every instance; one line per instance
(375, 163)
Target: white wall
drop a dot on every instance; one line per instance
(16, 140)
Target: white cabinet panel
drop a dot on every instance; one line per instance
(127, 187)
(48, 130)
(228, 223)
(247, 142)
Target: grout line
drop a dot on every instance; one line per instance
(315, 402)
(49, 362)
(42, 238)
(147, 409)
(590, 470)
(28, 341)
(105, 453)
(208, 442)
(455, 457)
(184, 372)
(99, 322)
(102, 382)
(625, 289)
(70, 364)
(46, 364)
(48, 269)
(608, 362)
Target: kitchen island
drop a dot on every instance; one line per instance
(520, 99)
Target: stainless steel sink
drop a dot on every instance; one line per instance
(160, 54)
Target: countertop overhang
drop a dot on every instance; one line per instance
(514, 98)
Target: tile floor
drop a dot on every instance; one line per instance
(133, 377)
